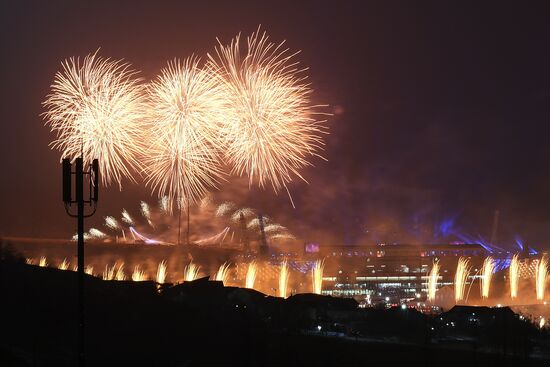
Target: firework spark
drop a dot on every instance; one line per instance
(283, 279)
(111, 223)
(42, 262)
(191, 272)
(317, 276)
(486, 276)
(251, 275)
(161, 272)
(246, 212)
(119, 275)
(270, 127)
(461, 277)
(96, 107)
(146, 212)
(138, 275)
(541, 276)
(514, 276)
(183, 157)
(432, 281)
(64, 265)
(96, 233)
(163, 204)
(223, 273)
(109, 273)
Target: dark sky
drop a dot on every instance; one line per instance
(444, 109)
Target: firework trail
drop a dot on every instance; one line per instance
(251, 275)
(138, 275)
(97, 107)
(126, 218)
(161, 272)
(283, 279)
(317, 276)
(514, 276)
(223, 273)
(432, 281)
(541, 275)
(225, 208)
(269, 129)
(191, 272)
(183, 157)
(461, 278)
(64, 265)
(42, 262)
(486, 276)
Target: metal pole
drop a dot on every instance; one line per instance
(80, 250)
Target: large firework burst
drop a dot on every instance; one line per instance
(186, 107)
(270, 128)
(96, 109)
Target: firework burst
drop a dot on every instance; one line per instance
(270, 129)
(186, 107)
(96, 109)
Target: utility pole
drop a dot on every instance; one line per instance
(93, 181)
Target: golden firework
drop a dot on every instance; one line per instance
(96, 110)
(461, 277)
(317, 276)
(514, 276)
(270, 129)
(182, 160)
(486, 276)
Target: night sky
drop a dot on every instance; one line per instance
(441, 110)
